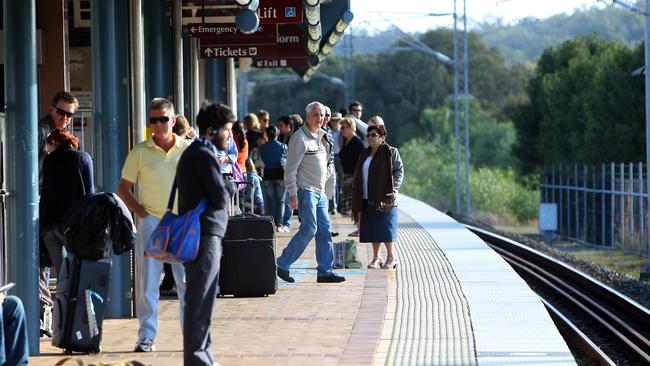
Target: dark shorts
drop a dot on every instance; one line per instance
(377, 226)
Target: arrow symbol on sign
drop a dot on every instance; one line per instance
(193, 30)
(208, 52)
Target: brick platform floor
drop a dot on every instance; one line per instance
(304, 323)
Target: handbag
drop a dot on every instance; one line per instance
(176, 238)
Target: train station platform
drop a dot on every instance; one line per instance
(450, 301)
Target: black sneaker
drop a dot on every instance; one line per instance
(335, 233)
(330, 278)
(284, 275)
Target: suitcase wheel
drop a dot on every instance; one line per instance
(96, 350)
(67, 352)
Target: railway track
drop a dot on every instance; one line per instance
(617, 328)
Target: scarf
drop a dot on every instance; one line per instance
(380, 186)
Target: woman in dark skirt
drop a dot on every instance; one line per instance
(374, 200)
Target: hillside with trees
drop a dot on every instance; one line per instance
(525, 41)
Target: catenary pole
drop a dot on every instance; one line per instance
(456, 121)
(647, 121)
(468, 196)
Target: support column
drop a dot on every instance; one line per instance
(231, 84)
(179, 90)
(111, 114)
(215, 80)
(137, 72)
(21, 100)
(54, 74)
(195, 80)
(158, 51)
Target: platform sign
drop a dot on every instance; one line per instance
(218, 34)
(224, 11)
(280, 62)
(289, 43)
(280, 11)
(262, 51)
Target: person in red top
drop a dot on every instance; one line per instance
(242, 144)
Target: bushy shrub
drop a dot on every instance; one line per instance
(430, 175)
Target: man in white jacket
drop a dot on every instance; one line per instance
(305, 174)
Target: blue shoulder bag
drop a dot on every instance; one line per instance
(176, 238)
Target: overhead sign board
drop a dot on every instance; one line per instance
(280, 11)
(280, 62)
(227, 34)
(224, 11)
(289, 43)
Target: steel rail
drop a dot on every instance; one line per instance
(567, 327)
(600, 302)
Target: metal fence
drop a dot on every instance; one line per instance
(604, 206)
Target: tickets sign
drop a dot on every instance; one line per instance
(289, 43)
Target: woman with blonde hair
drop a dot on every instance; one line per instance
(351, 147)
(183, 129)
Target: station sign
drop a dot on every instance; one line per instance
(289, 43)
(280, 62)
(228, 34)
(280, 11)
(224, 11)
(262, 51)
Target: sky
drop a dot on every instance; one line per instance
(410, 15)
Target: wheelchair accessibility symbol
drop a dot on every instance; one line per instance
(290, 12)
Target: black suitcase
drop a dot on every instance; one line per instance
(82, 284)
(248, 265)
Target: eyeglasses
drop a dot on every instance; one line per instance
(356, 110)
(63, 113)
(372, 135)
(161, 119)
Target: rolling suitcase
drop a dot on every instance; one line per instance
(81, 295)
(248, 265)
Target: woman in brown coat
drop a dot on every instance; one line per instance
(374, 201)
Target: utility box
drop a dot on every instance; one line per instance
(548, 221)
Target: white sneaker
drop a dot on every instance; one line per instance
(285, 229)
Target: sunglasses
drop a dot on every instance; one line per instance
(327, 115)
(372, 135)
(161, 119)
(356, 110)
(63, 113)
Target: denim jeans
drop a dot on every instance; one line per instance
(14, 346)
(273, 199)
(314, 221)
(148, 281)
(288, 211)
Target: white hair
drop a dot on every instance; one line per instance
(378, 120)
(313, 105)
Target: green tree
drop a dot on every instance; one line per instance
(584, 106)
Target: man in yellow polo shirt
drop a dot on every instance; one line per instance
(152, 165)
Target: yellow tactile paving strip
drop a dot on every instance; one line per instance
(432, 324)
(304, 323)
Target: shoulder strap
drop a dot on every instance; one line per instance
(172, 195)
